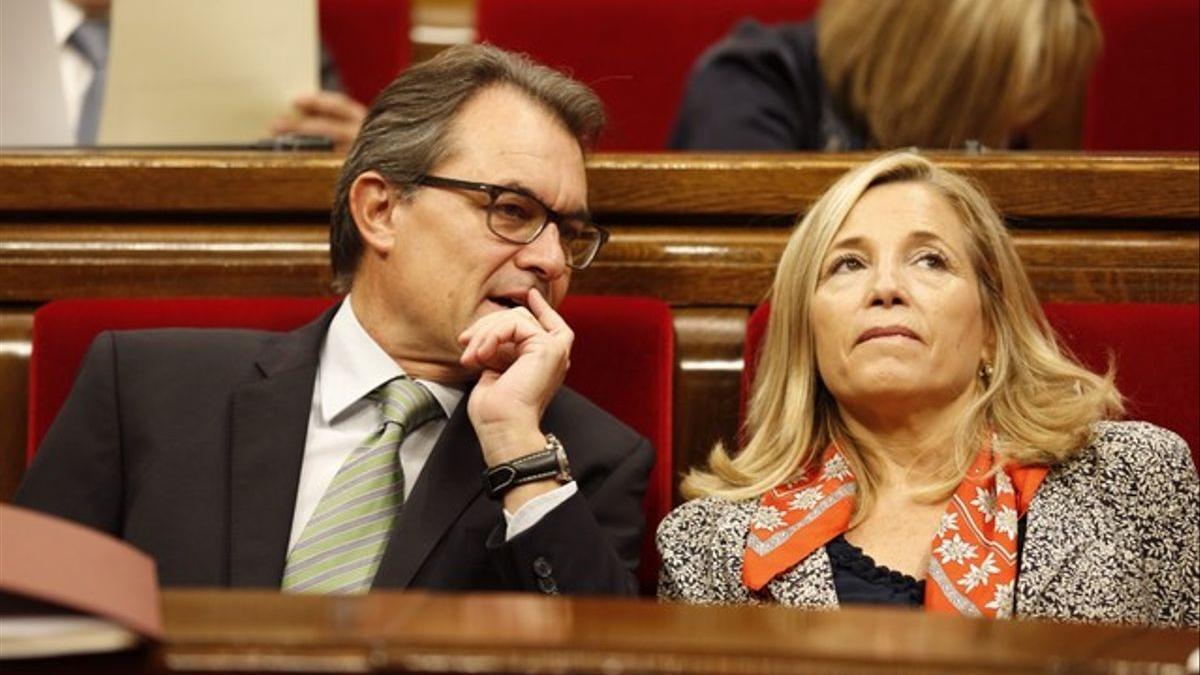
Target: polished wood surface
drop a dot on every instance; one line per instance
(702, 232)
(694, 230)
(1023, 185)
(227, 631)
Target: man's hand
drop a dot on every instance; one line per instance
(523, 355)
(326, 113)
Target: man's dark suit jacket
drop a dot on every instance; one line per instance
(188, 444)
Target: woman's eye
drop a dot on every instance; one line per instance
(846, 263)
(932, 260)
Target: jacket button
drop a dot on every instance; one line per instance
(541, 567)
(547, 586)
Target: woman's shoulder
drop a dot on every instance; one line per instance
(704, 521)
(709, 512)
(701, 544)
(1131, 446)
(1112, 531)
(1130, 461)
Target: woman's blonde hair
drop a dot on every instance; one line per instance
(937, 73)
(1038, 402)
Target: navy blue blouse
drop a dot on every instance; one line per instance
(859, 581)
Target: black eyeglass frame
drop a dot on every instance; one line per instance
(494, 191)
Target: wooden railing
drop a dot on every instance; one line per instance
(702, 232)
(256, 631)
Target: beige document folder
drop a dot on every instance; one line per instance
(66, 589)
(186, 72)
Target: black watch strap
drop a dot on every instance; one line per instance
(547, 463)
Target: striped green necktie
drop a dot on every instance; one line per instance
(341, 545)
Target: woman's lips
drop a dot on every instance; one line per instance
(886, 331)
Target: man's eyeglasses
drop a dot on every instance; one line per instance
(519, 217)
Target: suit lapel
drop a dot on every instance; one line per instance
(450, 481)
(268, 429)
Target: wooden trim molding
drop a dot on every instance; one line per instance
(1043, 185)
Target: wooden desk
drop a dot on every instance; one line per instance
(227, 631)
(703, 232)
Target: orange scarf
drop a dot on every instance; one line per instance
(973, 559)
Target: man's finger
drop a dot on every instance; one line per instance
(544, 312)
(516, 314)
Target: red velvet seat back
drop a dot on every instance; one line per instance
(623, 360)
(635, 54)
(369, 42)
(1157, 348)
(1145, 91)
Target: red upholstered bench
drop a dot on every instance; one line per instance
(623, 360)
(1145, 91)
(635, 54)
(1157, 348)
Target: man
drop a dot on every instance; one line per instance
(240, 458)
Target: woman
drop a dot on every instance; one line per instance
(890, 73)
(917, 436)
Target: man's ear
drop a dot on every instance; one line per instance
(371, 204)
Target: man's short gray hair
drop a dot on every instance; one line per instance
(406, 132)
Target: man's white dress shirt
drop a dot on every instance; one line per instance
(351, 366)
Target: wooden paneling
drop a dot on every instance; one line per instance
(702, 232)
(15, 327)
(684, 265)
(1022, 185)
(256, 631)
(709, 356)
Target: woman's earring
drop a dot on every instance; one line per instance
(985, 372)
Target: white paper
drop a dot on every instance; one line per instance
(33, 108)
(41, 636)
(205, 71)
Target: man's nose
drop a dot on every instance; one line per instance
(544, 255)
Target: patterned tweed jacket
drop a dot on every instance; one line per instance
(1113, 535)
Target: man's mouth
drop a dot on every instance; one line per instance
(506, 302)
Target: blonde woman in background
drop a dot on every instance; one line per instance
(917, 436)
(890, 73)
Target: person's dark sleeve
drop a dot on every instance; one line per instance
(76, 473)
(752, 91)
(589, 544)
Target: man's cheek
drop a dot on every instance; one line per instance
(558, 291)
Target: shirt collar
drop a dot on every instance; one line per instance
(65, 17)
(352, 365)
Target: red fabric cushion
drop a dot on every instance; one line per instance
(1145, 91)
(635, 54)
(369, 42)
(63, 330)
(623, 360)
(1157, 350)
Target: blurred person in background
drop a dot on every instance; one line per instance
(888, 74)
(81, 35)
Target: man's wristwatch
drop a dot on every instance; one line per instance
(550, 462)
